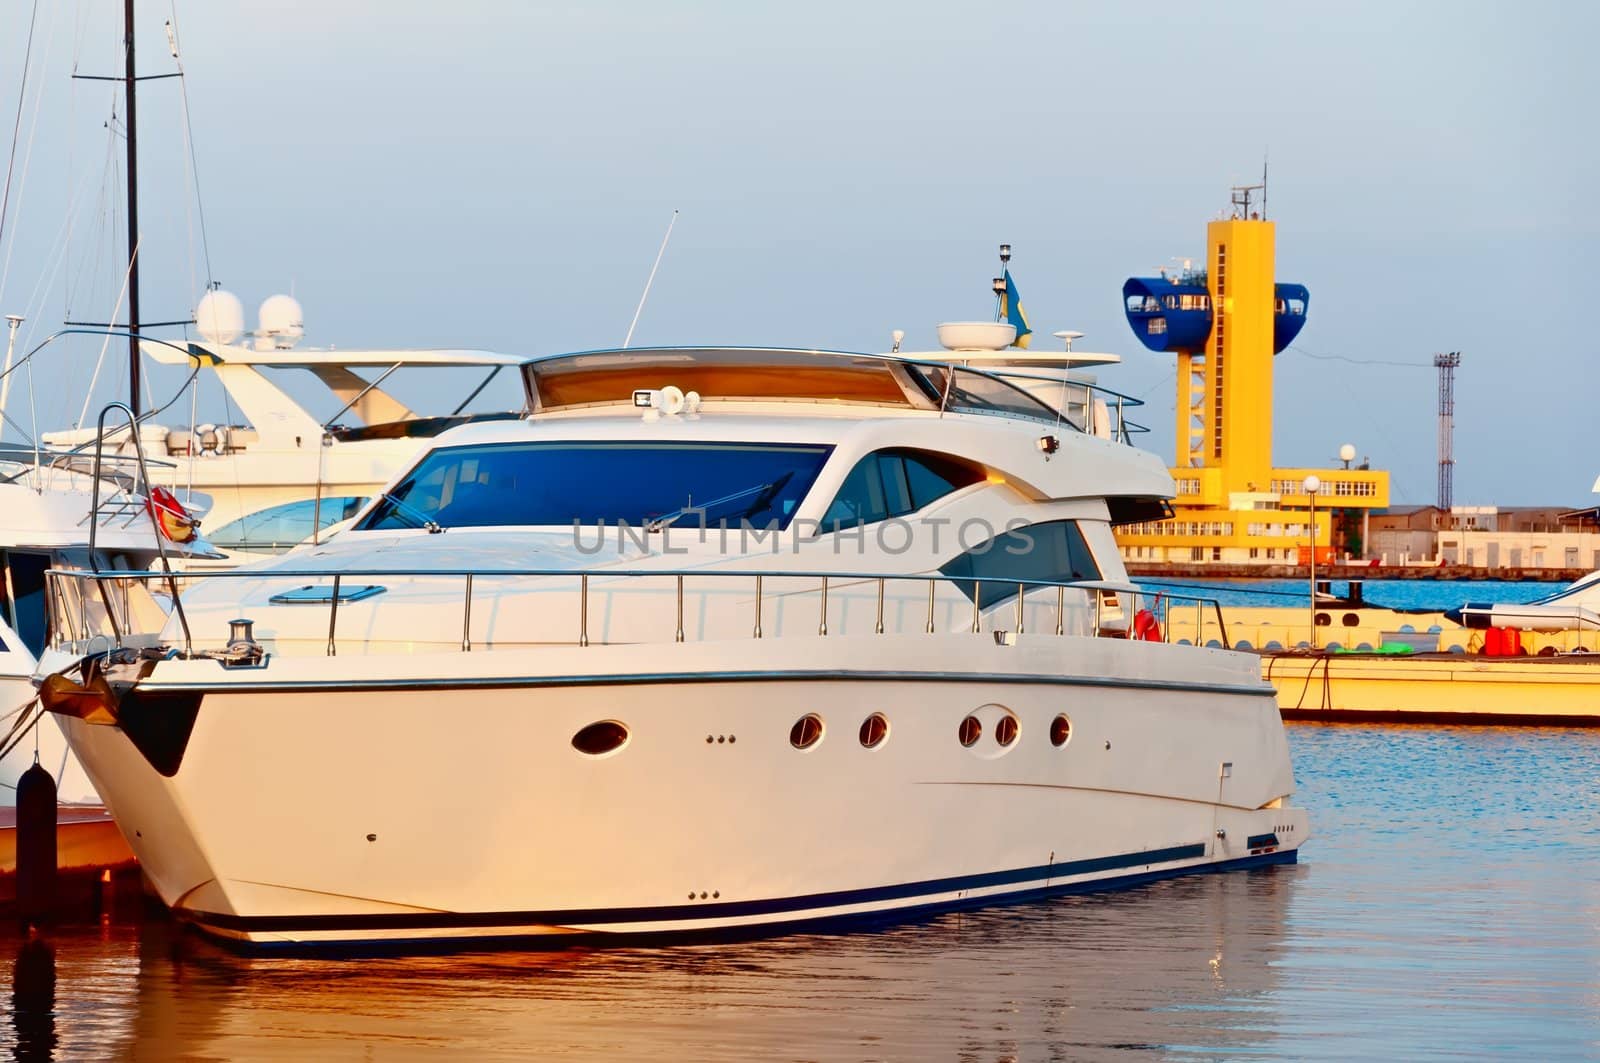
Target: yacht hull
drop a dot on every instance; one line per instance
(376, 803)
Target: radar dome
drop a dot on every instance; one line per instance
(282, 322)
(220, 317)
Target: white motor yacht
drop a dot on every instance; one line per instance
(712, 641)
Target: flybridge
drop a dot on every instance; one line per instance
(759, 374)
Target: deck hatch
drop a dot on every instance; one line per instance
(312, 594)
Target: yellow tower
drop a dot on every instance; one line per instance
(1225, 322)
(1239, 353)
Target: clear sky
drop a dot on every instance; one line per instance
(500, 174)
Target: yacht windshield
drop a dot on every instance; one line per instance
(641, 484)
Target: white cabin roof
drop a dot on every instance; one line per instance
(217, 353)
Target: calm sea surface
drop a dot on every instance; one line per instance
(1447, 906)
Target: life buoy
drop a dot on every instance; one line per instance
(1146, 626)
(171, 519)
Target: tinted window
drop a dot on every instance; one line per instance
(510, 484)
(966, 391)
(890, 483)
(283, 527)
(25, 601)
(1053, 552)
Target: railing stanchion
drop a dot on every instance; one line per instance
(583, 609)
(822, 625)
(53, 609)
(977, 610)
(879, 628)
(1022, 593)
(83, 610)
(466, 618)
(1222, 625)
(758, 607)
(333, 615)
(1061, 609)
(930, 607)
(1099, 605)
(678, 635)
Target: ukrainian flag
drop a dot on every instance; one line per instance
(1011, 310)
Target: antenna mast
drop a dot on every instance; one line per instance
(129, 80)
(628, 339)
(1446, 364)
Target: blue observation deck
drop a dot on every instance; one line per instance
(1175, 315)
(1169, 315)
(1288, 313)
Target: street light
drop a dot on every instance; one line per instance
(1311, 485)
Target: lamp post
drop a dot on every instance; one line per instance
(1311, 485)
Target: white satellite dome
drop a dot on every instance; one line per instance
(220, 317)
(282, 322)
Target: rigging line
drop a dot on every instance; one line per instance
(16, 126)
(90, 265)
(33, 308)
(188, 140)
(15, 739)
(27, 158)
(106, 342)
(1164, 381)
(1357, 361)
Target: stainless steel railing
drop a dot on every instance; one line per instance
(1117, 610)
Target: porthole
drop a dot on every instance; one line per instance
(874, 729)
(1060, 730)
(1005, 730)
(971, 730)
(605, 736)
(806, 732)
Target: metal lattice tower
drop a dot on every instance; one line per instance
(1446, 364)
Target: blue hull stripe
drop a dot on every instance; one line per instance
(854, 921)
(1038, 877)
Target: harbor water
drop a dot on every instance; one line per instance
(1447, 907)
(1385, 593)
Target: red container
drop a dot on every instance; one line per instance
(1512, 646)
(1494, 641)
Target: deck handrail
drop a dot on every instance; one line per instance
(62, 622)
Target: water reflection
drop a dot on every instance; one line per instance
(1447, 909)
(1187, 965)
(33, 1001)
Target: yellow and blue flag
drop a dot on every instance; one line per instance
(1011, 311)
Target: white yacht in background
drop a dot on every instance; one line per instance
(714, 640)
(45, 507)
(45, 525)
(280, 473)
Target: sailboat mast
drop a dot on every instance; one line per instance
(129, 81)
